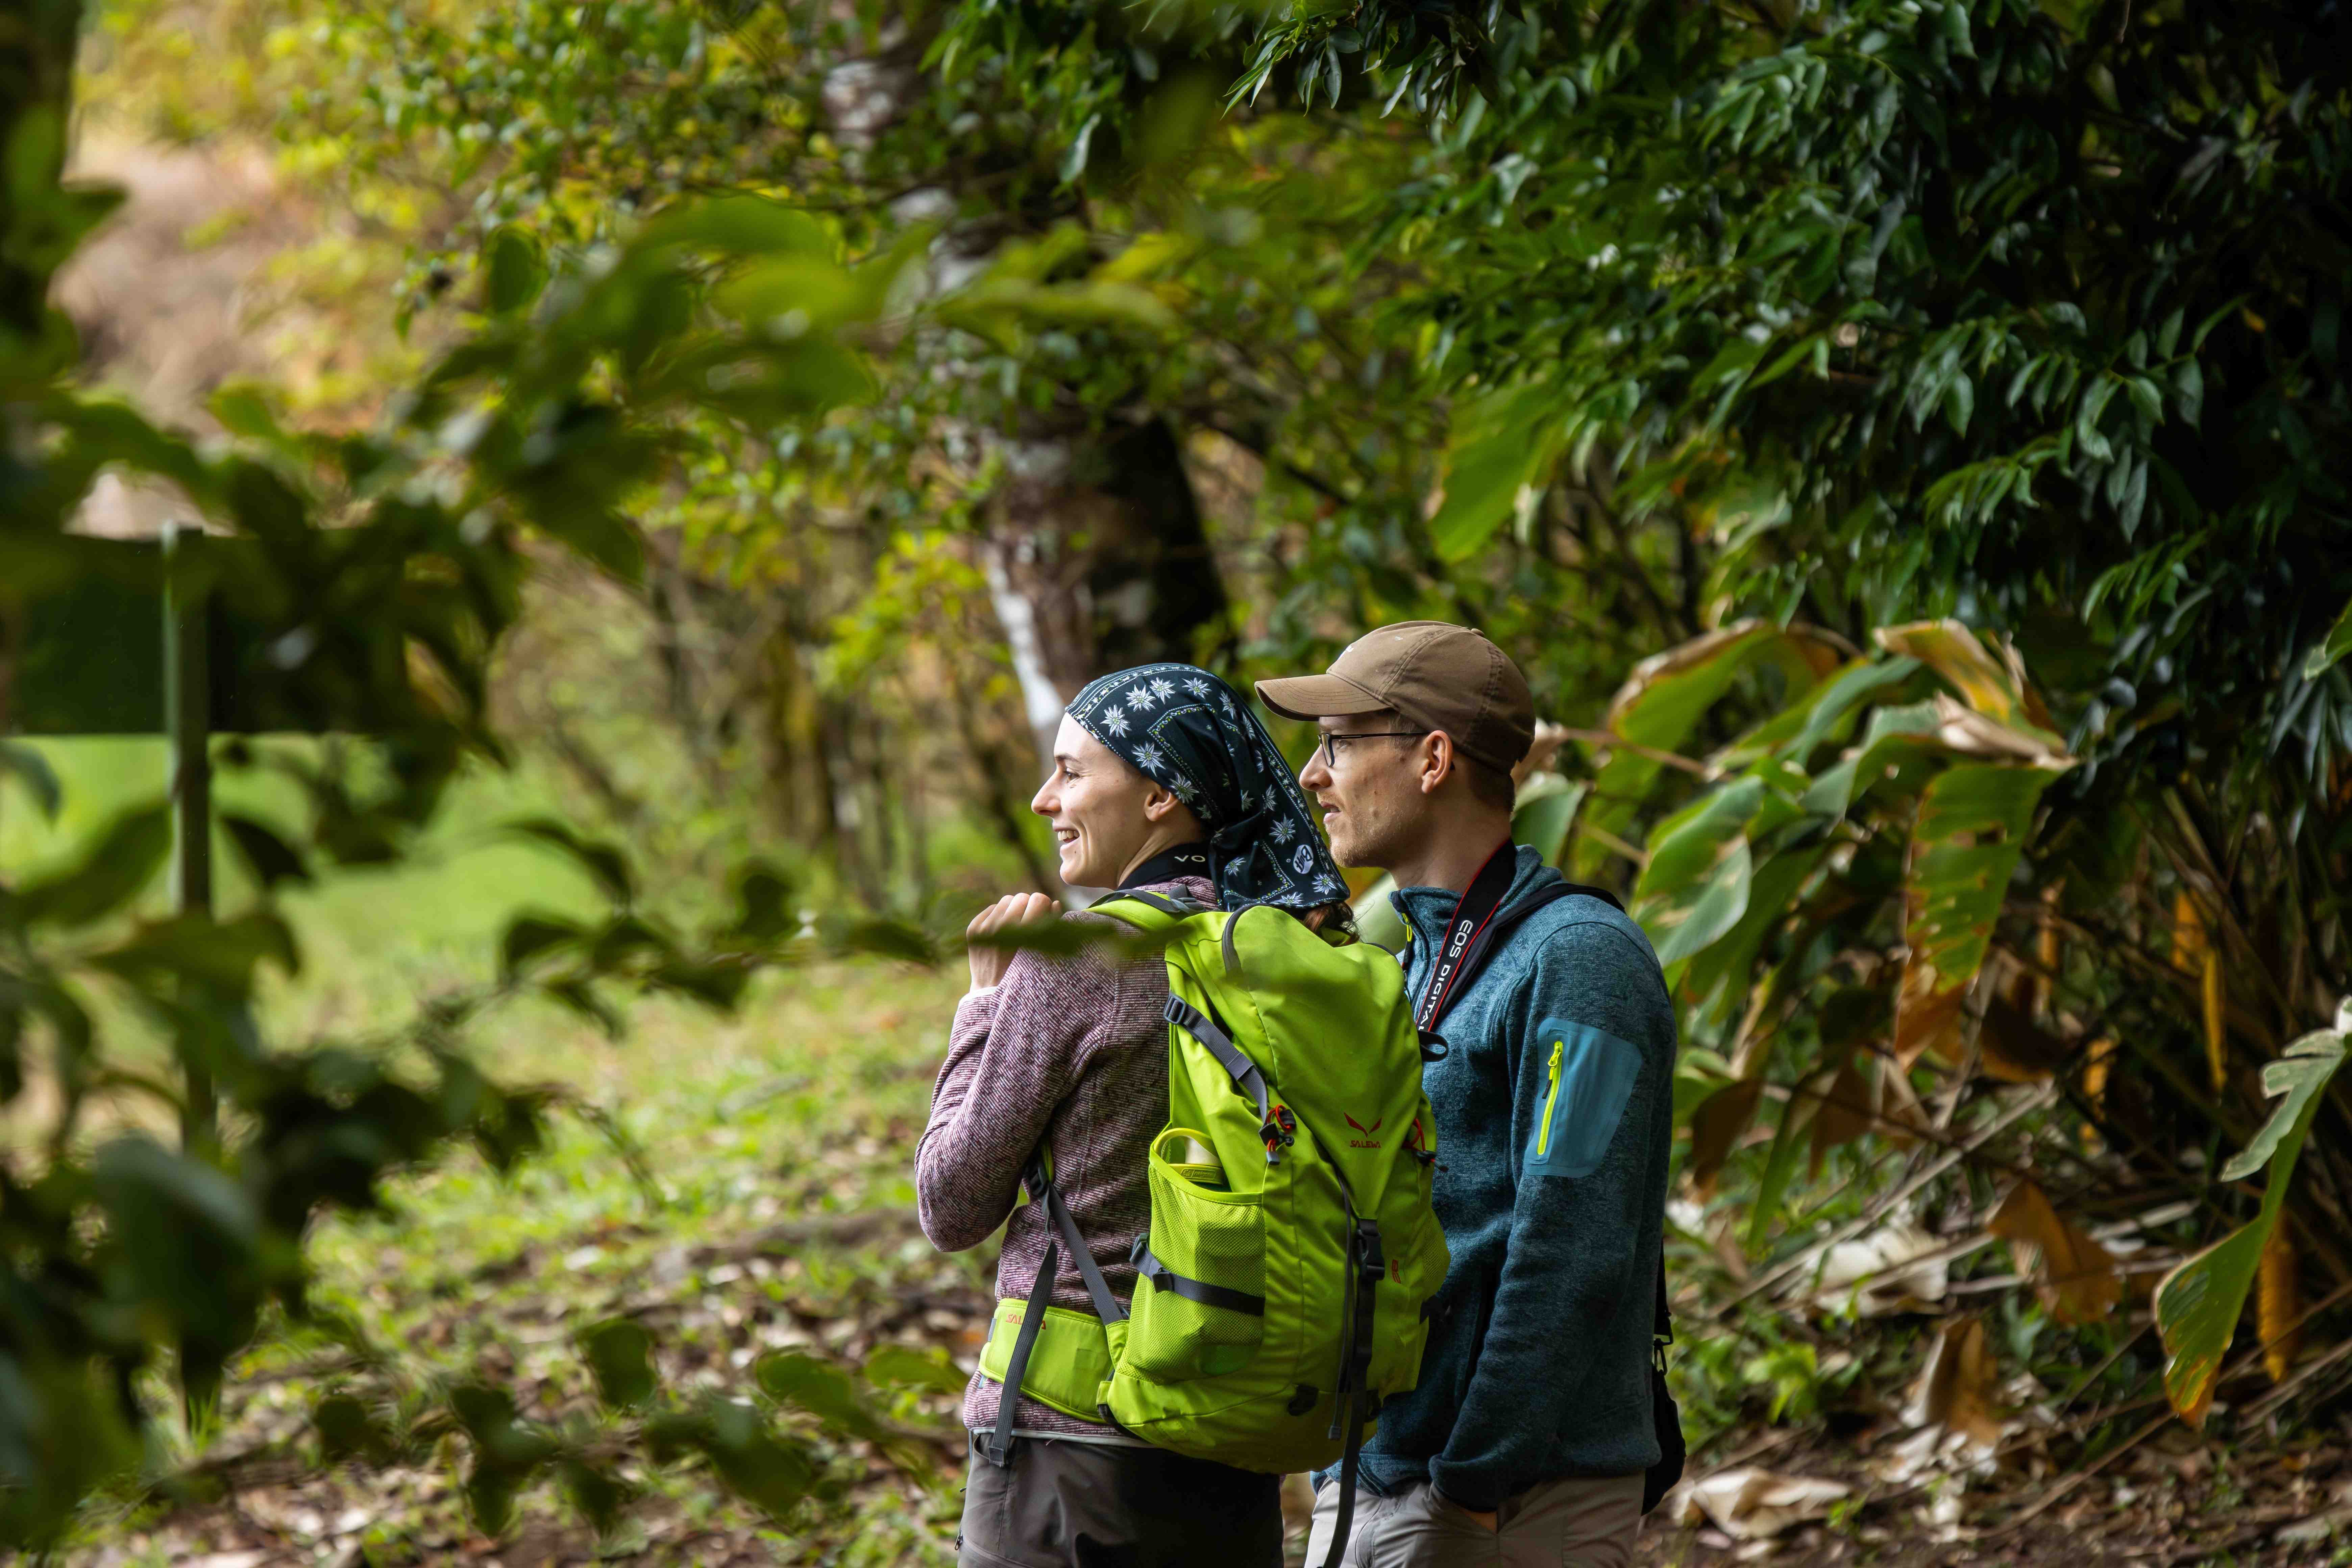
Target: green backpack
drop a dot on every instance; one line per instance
(1292, 1245)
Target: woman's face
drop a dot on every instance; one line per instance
(1104, 811)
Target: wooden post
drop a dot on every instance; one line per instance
(187, 713)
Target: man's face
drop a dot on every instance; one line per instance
(1098, 807)
(1370, 788)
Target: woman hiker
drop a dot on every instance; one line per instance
(1163, 779)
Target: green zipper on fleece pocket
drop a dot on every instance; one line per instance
(1551, 1102)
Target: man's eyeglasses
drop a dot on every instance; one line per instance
(1332, 752)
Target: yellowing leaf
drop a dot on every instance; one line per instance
(2278, 1303)
(1995, 686)
(1956, 1388)
(2014, 1048)
(2217, 1039)
(2074, 1275)
(2095, 1086)
(1971, 828)
(2192, 950)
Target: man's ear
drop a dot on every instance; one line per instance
(1437, 762)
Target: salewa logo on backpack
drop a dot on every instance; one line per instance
(1367, 1141)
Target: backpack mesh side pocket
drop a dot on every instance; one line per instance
(1206, 1235)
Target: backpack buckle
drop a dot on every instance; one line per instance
(1280, 1132)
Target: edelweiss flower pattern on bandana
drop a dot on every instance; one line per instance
(1185, 728)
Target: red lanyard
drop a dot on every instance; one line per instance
(1459, 941)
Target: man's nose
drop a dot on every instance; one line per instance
(1314, 774)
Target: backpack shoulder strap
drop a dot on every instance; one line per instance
(1176, 908)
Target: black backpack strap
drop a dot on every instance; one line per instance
(1182, 909)
(1353, 1403)
(1164, 1278)
(1043, 1190)
(1274, 1124)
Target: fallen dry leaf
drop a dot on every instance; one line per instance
(1890, 1269)
(1754, 1504)
(2074, 1275)
(1955, 1390)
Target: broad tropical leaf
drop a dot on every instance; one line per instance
(1973, 826)
(2199, 1303)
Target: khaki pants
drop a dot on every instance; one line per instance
(1580, 1523)
(1063, 1504)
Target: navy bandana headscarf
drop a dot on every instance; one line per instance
(1188, 730)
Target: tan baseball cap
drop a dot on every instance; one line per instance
(1435, 675)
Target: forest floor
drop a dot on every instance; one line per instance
(781, 1144)
(779, 1217)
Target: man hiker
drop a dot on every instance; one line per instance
(1528, 1434)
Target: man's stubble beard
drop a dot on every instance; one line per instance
(1368, 842)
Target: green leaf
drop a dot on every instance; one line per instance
(763, 897)
(620, 1352)
(1694, 888)
(112, 872)
(821, 1389)
(743, 226)
(2199, 1303)
(1544, 818)
(348, 1430)
(513, 270)
(893, 1365)
(757, 1464)
(273, 860)
(1668, 693)
(27, 765)
(602, 862)
(195, 948)
(1789, 1143)
(2332, 647)
(1505, 441)
(528, 936)
(897, 939)
(2299, 1074)
(1971, 830)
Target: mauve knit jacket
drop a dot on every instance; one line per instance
(1070, 1052)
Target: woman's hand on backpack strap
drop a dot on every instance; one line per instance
(989, 963)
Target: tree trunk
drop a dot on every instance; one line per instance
(1096, 560)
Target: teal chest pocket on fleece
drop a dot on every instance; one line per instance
(1588, 1077)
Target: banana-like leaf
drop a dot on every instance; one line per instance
(1545, 816)
(1667, 694)
(1971, 829)
(1506, 441)
(2198, 1305)
(2332, 647)
(1694, 888)
(1994, 687)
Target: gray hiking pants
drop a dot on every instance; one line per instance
(1064, 1504)
(1580, 1523)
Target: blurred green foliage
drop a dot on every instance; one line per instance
(1908, 437)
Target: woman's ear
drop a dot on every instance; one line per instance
(1158, 802)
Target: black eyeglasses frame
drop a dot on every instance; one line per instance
(1330, 757)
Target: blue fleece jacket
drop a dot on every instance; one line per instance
(1554, 1121)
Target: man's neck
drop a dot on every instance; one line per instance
(1451, 859)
